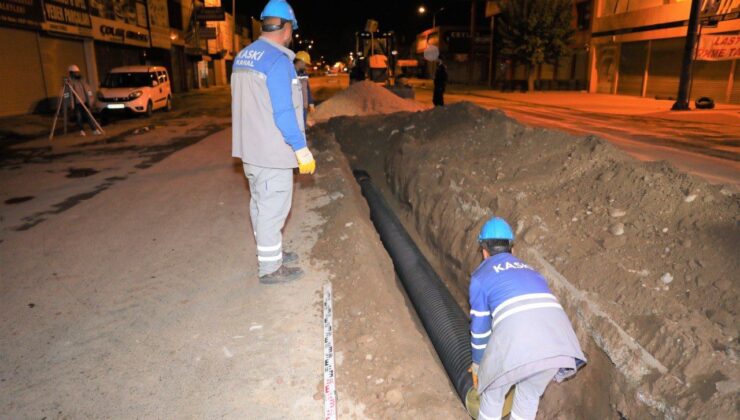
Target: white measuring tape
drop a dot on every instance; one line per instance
(330, 391)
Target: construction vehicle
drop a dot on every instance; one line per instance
(375, 54)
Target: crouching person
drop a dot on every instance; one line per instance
(521, 336)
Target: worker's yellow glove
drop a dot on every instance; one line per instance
(473, 369)
(306, 163)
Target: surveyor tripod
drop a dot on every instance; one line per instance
(68, 94)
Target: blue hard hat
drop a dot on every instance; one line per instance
(279, 9)
(496, 228)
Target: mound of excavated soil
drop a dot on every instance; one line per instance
(652, 253)
(364, 98)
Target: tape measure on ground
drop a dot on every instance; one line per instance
(330, 391)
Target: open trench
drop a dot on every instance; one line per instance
(623, 379)
(562, 400)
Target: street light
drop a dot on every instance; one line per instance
(434, 17)
(423, 10)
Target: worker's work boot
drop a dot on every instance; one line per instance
(282, 275)
(289, 257)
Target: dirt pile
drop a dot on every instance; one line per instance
(364, 98)
(648, 255)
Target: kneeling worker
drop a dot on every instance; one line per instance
(521, 336)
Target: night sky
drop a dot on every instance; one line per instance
(332, 23)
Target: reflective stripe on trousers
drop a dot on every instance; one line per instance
(271, 192)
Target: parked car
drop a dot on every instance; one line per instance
(138, 89)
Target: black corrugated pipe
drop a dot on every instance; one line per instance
(443, 319)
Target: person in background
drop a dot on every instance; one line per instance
(84, 92)
(521, 336)
(440, 83)
(357, 74)
(302, 59)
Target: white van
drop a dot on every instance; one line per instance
(139, 89)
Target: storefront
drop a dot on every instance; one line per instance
(638, 51)
(43, 39)
(121, 33)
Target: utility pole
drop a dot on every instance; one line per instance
(682, 101)
(234, 47)
(471, 57)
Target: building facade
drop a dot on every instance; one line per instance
(40, 39)
(637, 47)
(570, 72)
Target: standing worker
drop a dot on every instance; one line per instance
(84, 92)
(302, 59)
(440, 83)
(269, 137)
(521, 335)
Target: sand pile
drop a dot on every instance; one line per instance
(654, 249)
(363, 98)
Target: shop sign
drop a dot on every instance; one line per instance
(67, 16)
(492, 8)
(207, 33)
(159, 24)
(132, 12)
(209, 14)
(714, 11)
(718, 47)
(23, 13)
(119, 32)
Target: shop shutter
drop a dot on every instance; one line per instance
(57, 55)
(109, 56)
(735, 93)
(580, 67)
(665, 67)
(711, 79)
(606, 65)
(22, 83)
(565, 67)
(632, 60)
(547, 71)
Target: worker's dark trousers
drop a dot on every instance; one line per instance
(82, 117)
(438, 99)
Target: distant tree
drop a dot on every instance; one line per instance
(536, 31)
